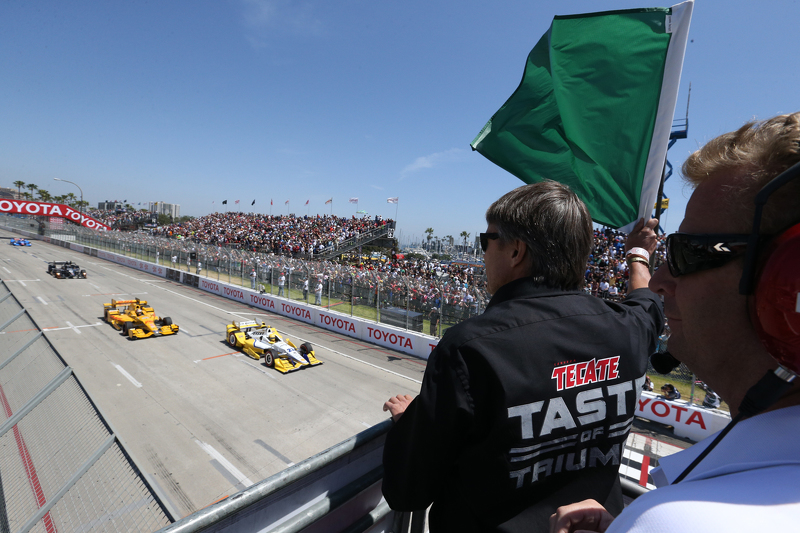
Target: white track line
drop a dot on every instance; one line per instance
(41, 300)
(130, 378)
(76, 330)
(74, 327)
(7, 270)
(235, 472)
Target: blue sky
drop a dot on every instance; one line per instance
(198, 102)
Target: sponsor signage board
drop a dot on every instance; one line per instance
(689, 421)
(27, 207)
(409, 342)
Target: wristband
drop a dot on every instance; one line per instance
(641, 252)
(636, 259)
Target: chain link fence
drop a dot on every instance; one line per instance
(394, 299)
(61, 466)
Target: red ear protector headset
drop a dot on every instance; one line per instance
(773, 280)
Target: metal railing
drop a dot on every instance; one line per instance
(62, 468)
(336, 491)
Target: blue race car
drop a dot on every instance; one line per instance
(19, 242)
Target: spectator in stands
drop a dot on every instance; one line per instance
(253, 277)
(748, 479)
(305, 289)
(481, 441)
(281, 283)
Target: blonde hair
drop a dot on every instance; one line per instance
(752, 156)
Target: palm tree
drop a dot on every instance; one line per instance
(466, 236)
(70, 199)
(31, 187)
(19, 184)
(44, 195)
(429, 231)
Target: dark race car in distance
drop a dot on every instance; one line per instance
(65, 270)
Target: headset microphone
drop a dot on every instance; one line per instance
(664, 362)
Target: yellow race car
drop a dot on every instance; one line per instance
(136, 320)
(263, 341)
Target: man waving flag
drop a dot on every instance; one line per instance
(594, 109)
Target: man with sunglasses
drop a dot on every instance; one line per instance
(746, 198)
(527, 406)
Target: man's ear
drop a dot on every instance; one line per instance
(518, 253)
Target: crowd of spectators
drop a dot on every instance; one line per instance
(123, 219)
(278, 234)
(456, 289)
(606, 271)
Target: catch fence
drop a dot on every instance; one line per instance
(388, 298)
(62, 468)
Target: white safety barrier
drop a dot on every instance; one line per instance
(410, 342)
(690, 421)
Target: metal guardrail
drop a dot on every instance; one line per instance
(62, 468)
(306, 493)
(353, 242)
(262, 506)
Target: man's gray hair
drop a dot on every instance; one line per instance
(554, 224)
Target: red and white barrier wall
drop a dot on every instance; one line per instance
(690, 421)
(410, 342)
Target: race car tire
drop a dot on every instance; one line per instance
(306, 348)
(167, 321)
(232, 340)
(126, 327)
(269, 359)
(83, 274)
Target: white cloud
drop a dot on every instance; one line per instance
(266, 18)
(376, 187)
(433, 160)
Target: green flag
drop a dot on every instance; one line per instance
(594, 109)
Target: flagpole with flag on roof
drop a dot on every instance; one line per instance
(354, 200)
(330, 201)
(396, 201)
(287, 207)
(594, 109)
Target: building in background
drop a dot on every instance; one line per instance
(110, 206)
(163, 208)
(9, 194)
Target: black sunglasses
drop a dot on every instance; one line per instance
(485, 239)
(688, 253)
